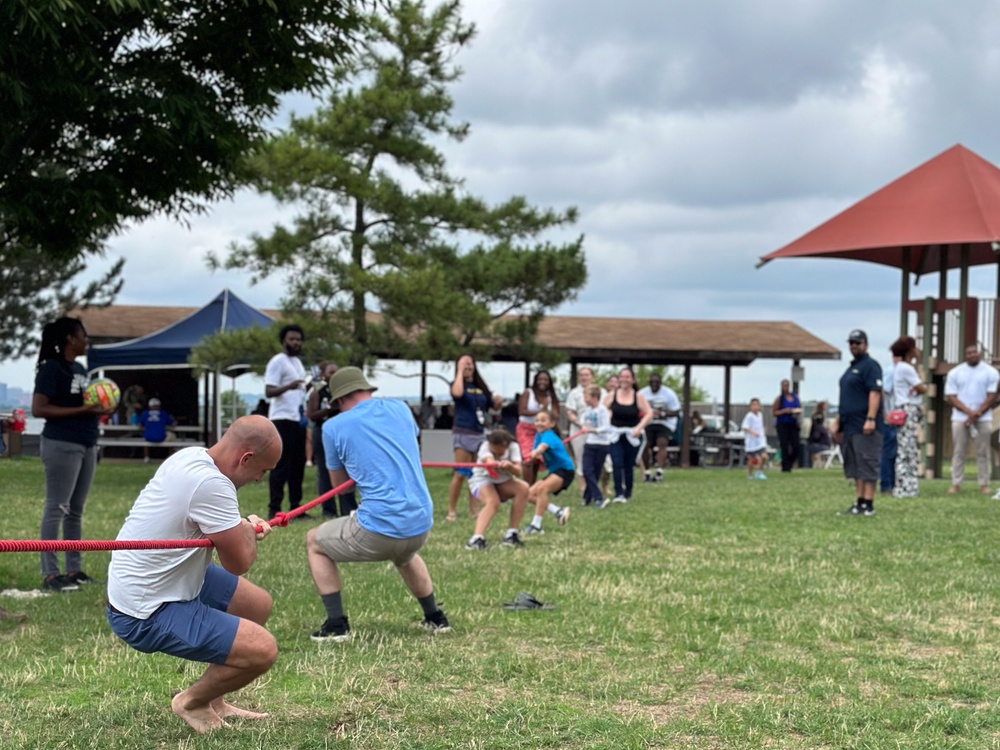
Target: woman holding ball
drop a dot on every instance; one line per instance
(68, 444)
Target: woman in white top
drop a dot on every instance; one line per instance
(541, 396)
(908, 390)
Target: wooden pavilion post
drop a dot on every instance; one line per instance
(963, 296)
(685, 461)
(904, 292)
(727, 384)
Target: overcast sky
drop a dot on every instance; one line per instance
(693, 138)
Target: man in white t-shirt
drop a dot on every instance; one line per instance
(176, 601)
(575, 407)
(971, 389)
(660, 430)
(285, 386)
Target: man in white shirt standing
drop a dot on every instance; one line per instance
(660, 431)
(971, 389)
(285, 386)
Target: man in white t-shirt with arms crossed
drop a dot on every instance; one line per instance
(177, 601)
(971, 389)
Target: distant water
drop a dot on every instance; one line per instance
(34, 426)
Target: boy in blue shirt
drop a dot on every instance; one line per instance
(154, 423)
(561, 472)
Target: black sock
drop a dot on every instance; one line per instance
(860, 502)
(428, 605)
(333, 605)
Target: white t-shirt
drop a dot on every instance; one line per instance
(754, 422)
(481, 476)
(281, 370)
(904, 377)
(187, 498)
(575, 401)
(970, 385)
(598, 418)
(663, 400)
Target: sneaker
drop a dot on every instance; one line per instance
(80, 577)
(602, 503)
(512, 540)
(647, 477)
(562, 516)
(868, 512)
(854, 510)
(59, 583)
(531, 529)
(760, 475)
(333, 630)
(659, 476)
(620, 499)
(436, 623)
(477, 543)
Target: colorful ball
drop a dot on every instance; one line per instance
(104, 393)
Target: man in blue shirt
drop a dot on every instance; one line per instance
(860, 424)
(373, 442)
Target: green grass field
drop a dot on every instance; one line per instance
(710, 612)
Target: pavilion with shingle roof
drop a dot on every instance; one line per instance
(582, 340)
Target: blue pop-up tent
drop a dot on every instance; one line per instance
(172, 345)
(155, 360)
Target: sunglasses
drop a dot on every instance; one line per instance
(855, 342)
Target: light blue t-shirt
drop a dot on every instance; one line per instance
(376, 443)
(556, 457)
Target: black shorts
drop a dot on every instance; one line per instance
(566, 475)
(655, 431)
(862, 455)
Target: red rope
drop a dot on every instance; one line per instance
(93, 545)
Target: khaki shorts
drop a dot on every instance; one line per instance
(344, 540)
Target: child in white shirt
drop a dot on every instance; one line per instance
(754, 440)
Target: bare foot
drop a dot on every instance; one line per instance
(202, 720)
(224, 710)
(450, 517)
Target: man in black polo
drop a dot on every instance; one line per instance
(860, 424)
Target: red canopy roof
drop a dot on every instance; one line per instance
(951, 200)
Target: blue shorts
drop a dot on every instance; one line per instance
(197, 630)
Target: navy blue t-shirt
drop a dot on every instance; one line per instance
(474, 402)
(862, 377)
(64, 383)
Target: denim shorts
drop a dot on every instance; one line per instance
(197, 630)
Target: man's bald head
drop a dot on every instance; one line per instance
(248, 450)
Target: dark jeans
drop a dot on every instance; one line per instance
(323, 484)
(888, 470)
(291, 466)
(623, 455)
(593, 462)
(788, 441)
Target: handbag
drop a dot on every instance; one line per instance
(897, 418)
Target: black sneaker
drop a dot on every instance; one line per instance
(60, 583)
(854, 510)
(868, 512)
(647, 477)
(436, 623)
(80, 577)
(477, 544)
(512, 540)
(333, 630)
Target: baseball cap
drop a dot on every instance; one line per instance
(154, 402)
(858, 335)
(347, 380)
